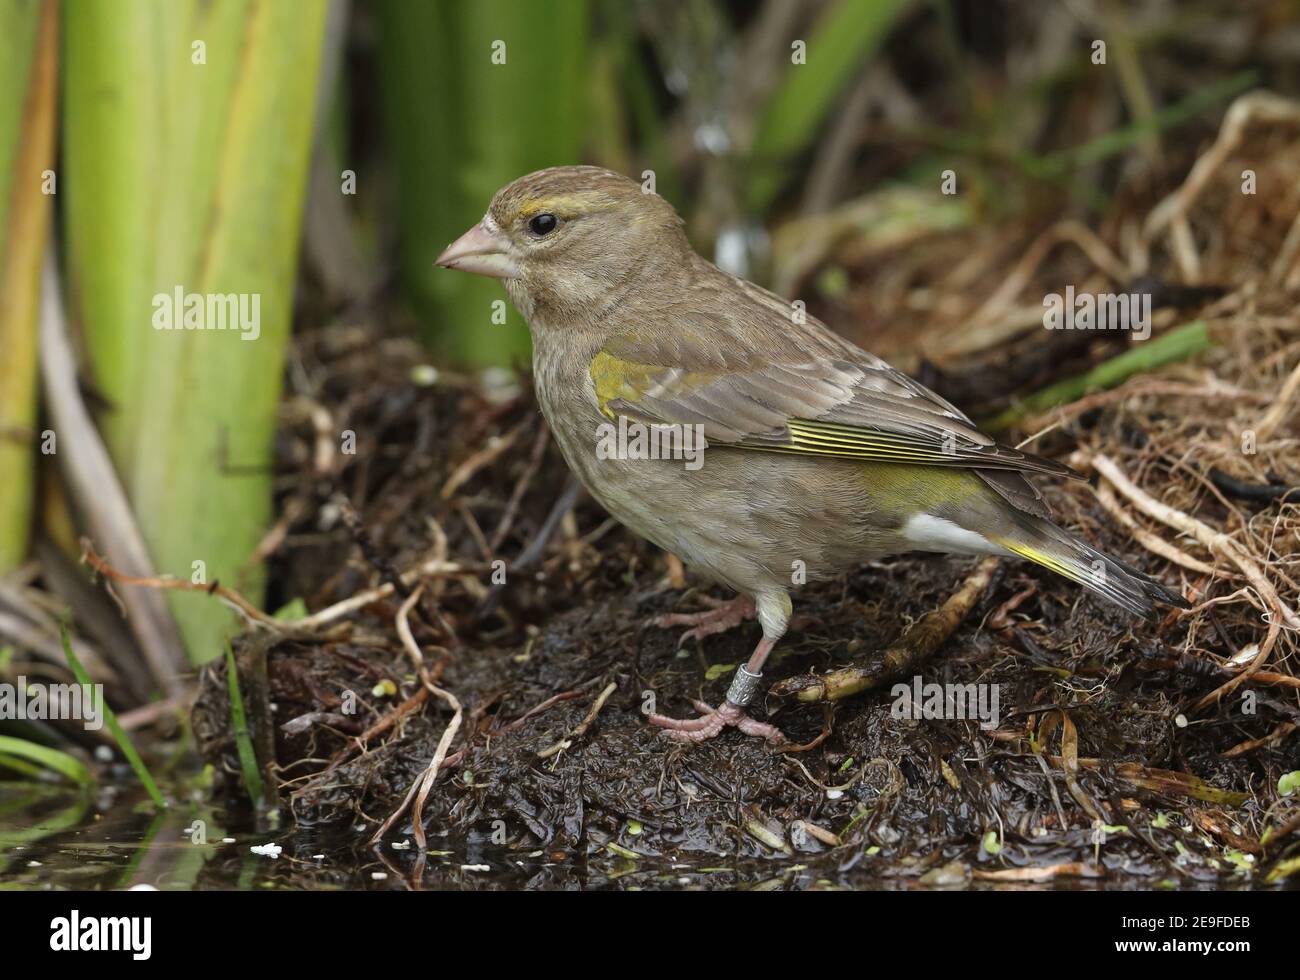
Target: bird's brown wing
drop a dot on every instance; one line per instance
(853, 406)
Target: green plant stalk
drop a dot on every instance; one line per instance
(20, 766)
(1177, 345)
(28, 69)
(845, 36)
(65, 765)
(110, 719)
(1056, 168)
(461, 126)
(1121, 139)
(189, 176)
(1283, 870)
(243, 737)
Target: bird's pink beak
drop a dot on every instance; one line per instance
(482, 251)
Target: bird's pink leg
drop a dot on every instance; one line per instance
(722, 615)
(732, 711)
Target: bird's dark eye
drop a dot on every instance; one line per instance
(542, 224)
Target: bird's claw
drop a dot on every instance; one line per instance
(711, 723)
(722, 615)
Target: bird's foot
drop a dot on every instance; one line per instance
(711, 723)
(722, 615)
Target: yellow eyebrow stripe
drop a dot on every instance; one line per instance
(566, 205)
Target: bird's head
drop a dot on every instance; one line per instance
(566, 240)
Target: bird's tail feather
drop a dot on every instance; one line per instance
(1046, 544)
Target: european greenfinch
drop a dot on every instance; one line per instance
(792, 455)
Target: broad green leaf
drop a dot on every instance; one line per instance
(187, 128)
